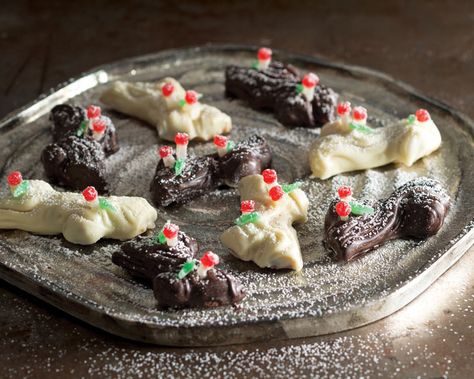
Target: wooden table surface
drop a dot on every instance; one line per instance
(428, 44)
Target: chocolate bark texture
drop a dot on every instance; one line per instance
(416, 210)
(275, 89)
(158, 265)
(208, 172)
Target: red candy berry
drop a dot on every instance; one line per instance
(422, 115)
(269, 176)
(264, 53)
(170, 230)
(359, 113)
(344, 191)
(343, 209)
(209, 259)
(167, 89)
(191, 97)
(14, 178)
(310, 80)
(247, 206)
(276, 193)
(93, 111)
(165, 151)
(181, 139)
(220, 141)
(343, 108)
(99, 126)
(90, 194)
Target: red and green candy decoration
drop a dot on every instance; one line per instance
(207, 262)
(190, 98)
(308, 85)
(182, 141)
(249, 215)
(344, 111)
(421, 115)
(18, 186)
(167, 89)
(346, 205)
(94, 121)
(223, 145)
(168, 234)
(92, 197)
(264, 58)
(166, 153)
(359, 120)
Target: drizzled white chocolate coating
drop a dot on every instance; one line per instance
(271, 241)
(341, 149)
(145, 101)
(43, 210)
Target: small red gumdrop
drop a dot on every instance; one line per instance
(165, 151)
(90, 194)
(310, 80)
(209, 259)
(359, 113)
(422, 115)
(181, 138)
(343, 209)
(99, 125)
(247, 206)
(264, 53)
(220, 141)
(191, 97)
(93, 111)
(14, 178)
(276, 193)
(167, 89)
(343, 108)
(269, 176)
(170, 230)
(344, 191)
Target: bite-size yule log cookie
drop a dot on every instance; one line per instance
(415, 210)
(168, 262)
(277, 87)
(169, 107)
(349, 144)
(264, 232)
(34, 206)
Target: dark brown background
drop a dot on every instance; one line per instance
(428, 44)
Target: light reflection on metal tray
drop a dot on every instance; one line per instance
(326, 297)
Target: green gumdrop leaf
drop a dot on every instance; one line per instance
(230, 146)
(186, 269)
(254, 65)
(179, 166)
(160, 237)
(411, 119)
(182, 103)
(299, 88)
(359, 209)
(287, 188)
(21, 189)
(105, 204)
(81, 131)
(361, 128)
(247, 218)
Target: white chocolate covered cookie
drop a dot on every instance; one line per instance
(347, 145)
(270, 240)
(43, 210)
(169, 107)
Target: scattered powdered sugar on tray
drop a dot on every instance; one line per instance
(324, 287)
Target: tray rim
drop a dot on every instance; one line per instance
(127, 328)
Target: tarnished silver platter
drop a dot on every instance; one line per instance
(326, 297)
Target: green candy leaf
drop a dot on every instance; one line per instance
(186, 269)
(182, 103)
(247, 218)
(230, 146)
(21, 189)
(361, 128)
(81, 131)
(360, 209)
(106, 205)
(160, 237)
(411, 119)
(179, 166)
(287, 188)
(299, 88)
(254, 65)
